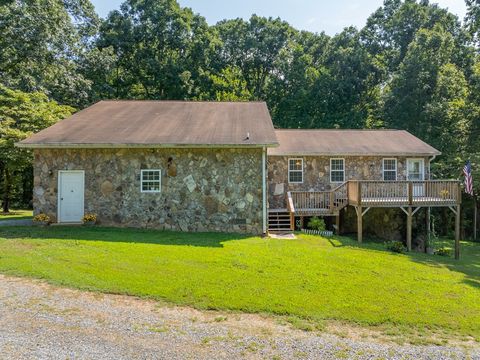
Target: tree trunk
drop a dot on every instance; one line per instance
(7, 187)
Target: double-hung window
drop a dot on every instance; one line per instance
(337, 170)
(295, 171)
(389, 169)
(151, 181)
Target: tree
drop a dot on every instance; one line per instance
(22, 114)
(161, 50)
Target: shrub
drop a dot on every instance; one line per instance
(443, 252)
(316, 223)
(396, 246)
(89, 218)
(42, 218)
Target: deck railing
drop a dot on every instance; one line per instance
(291, 210)
(376, 193)
(326, 201)
(404, 193)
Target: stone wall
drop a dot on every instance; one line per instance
(202, 189)
(316, 174)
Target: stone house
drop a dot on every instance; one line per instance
(190, 166)
(221, 166)
(321, 160)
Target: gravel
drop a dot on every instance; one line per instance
(41, 321)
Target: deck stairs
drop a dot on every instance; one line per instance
(279, 221)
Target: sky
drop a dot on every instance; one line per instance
(330, 16)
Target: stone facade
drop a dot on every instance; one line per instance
(201, 189)
(316, 174)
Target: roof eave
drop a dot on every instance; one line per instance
(298, 153)
(136, 146)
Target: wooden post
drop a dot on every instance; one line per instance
(457, 232)
(428, 225)
(359, 224)
(337, 223)
(409, 228)
(410, 193)
(359, 193)
(475, 217)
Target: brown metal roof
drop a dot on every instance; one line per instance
(350, 142)
(161, 123)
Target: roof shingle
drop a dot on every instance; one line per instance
(350, 142)
(161, 123)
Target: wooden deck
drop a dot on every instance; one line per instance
(429, 193)
(409, 196)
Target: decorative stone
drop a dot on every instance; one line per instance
(190, 182)
(106, 188)
(38, 191)
(279, 189)
(240, 205)
(249, 197)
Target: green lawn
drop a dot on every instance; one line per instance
(16, 215)
(309, 278)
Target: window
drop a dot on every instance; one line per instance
(390, 169)
(415, 169)
(337, 170)
(295, 171)
(151, 181)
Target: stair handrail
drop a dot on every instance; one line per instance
(291, 210)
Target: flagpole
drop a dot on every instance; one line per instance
(475, 217)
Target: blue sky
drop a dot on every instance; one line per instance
(330, 16)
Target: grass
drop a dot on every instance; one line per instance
(16, 215)
(311, 279)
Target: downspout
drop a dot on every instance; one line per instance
(430, 166)
(264, 191)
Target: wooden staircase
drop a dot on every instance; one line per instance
(279, 221)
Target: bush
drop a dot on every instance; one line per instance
(396, 246)
(443, 252)
(42, 218)
(316, 223)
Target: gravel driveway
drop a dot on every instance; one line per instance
(45, 322)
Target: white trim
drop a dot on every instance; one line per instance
(59, 187)
(337, 182)
(296, 171)
(142, 146)
(159, 182)
(383, 168)
(422, 160)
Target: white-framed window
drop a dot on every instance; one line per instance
(390, 169)
(415, 169)
(295, 170)
(151, 181)
(337, 170)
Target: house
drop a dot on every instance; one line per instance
(221, 166)
(190, 166)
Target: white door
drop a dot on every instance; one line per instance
(416, 172)
(70, 196)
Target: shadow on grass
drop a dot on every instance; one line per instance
(469, 263)
(119, 235)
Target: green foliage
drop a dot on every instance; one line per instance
(311, 278)
(396, 246)
(413, 66)
(444, 252)
(21, 114)
(315, 223)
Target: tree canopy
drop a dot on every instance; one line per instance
(413, 66)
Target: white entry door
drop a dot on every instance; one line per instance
(70, 195)
(416, 172)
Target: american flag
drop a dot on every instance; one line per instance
(467, 170)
